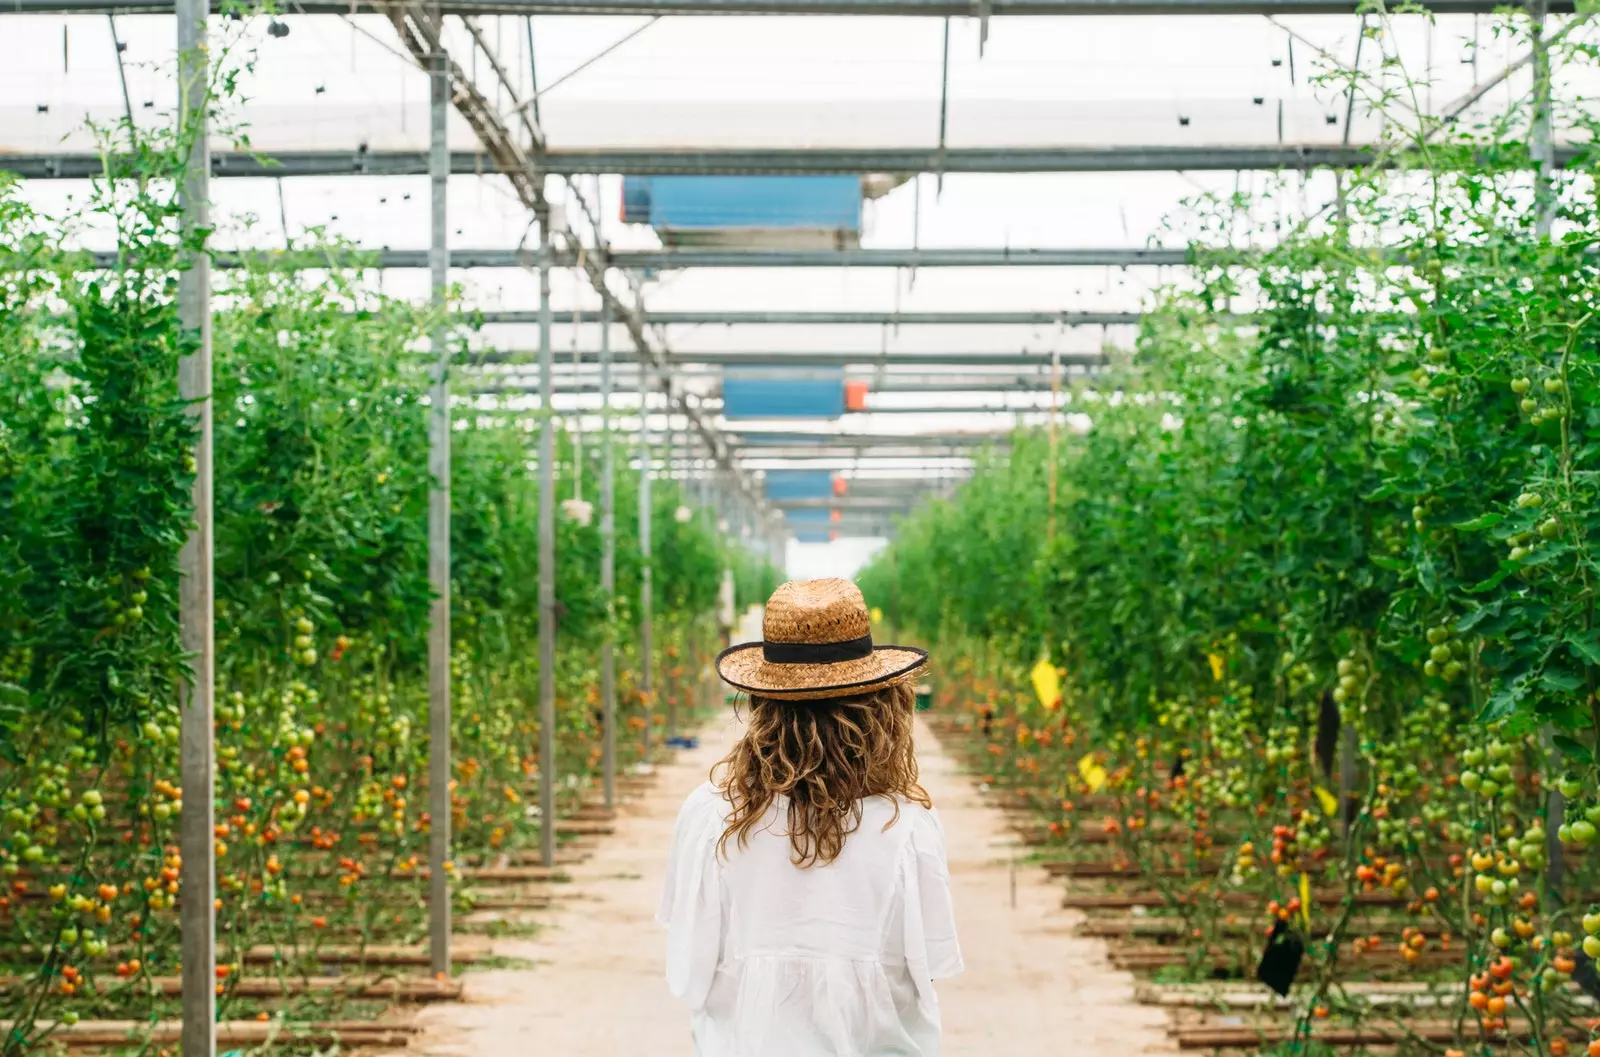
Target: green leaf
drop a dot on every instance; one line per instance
(1506, 569)
(1503, 703)
(1574, 749)
(1477, 616)
(1560, 680)
(1585, 646)
(1482, 521)
(1546, 554)
(1385, 562)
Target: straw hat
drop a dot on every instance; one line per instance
(817, 642)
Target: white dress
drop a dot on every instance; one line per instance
(831, 961)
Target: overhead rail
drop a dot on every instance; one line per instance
(756, 443)
(733, 358)
(889, 383)
(869, 8)
(874, 318)
(669, 260)
(83, 165)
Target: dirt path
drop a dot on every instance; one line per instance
(1031, 987)
(597, 989)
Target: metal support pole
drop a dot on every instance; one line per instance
(671, 686)
(547, 565)
(197, 838)
(646, 594)
(1555, 816)
(1543, 149)
(1541, 138)
(1347, 775)
(439, 802)
(608, 567)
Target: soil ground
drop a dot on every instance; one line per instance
(596, 987)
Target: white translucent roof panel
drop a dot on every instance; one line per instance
(778, 82)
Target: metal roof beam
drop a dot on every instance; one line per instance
(736, 358)
(767, 443)
(669, 260)
(873, 8)
(79, 165)
(888, 384)
(901, 502)
(831, 318)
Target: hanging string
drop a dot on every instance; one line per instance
(1055, 393)
(577, 358)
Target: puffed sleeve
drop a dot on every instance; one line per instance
(932, 952)
(691, 902)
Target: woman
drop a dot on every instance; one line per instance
(807, 896)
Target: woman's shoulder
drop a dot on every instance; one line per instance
(705, 801)
(917, 818)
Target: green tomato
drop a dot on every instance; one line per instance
(1584, 832)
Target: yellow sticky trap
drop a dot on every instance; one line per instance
(1330, 803)
(1305, 899)
(1047, 684)
(1216, 665)
(877, 615)
(1093, 775)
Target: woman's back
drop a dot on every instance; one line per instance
(807, 897)
(838, 958)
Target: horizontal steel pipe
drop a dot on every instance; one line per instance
(822, 358)
(831, 318)
(735, 160)
(873, 8)
(670, 260)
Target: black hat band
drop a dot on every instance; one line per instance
(817, 652)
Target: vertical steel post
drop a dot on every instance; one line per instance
(1541, 139)
(439, 803)
(646, 592)
(196, 608)
(671, 685)
(1555, 816)
(608, 566)
(1542, 147)
(1348, 775)
(547, 563)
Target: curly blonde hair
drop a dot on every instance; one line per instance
(826, 756)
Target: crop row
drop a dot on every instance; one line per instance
(322, 599)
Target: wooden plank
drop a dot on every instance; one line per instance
(1209, 1037)
(1093, 868)
(1148, 898)
(88, 1033)
(1159, 957)
(1174, 928)
(394, 988)
(375, 955)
